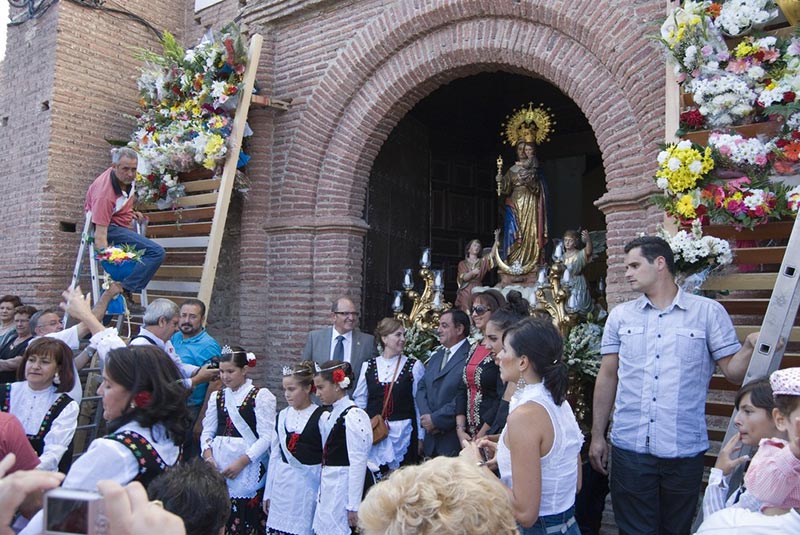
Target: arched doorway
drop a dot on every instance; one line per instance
(433, 181)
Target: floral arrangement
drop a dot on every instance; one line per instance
(187, 98)
(342, 380)
(689, 35)
(747, 155)
(582, 350)
(793, 199)
(723, 98)
(736, 16)
(119, 254)
(682, 166)
(695, 252)
(420, 343)
(737, 203)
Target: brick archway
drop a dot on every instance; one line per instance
(597, 55)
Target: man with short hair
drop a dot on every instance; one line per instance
(195, 347)
(110, 200)
(436, 393)
(659, 352)
(341, 341)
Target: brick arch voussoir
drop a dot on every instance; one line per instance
(393, 90)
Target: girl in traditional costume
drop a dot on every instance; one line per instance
(346, 438)
(290, 495)
(237, 433)
(41, 403)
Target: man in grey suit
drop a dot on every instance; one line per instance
(436, 393)
(342, 341)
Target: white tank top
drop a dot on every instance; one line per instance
(560, 465)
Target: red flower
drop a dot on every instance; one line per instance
(788, 97)
(141, 399)
(293, 442)
(338, 376)
(795, 134)
(782, 142)
(692, 119)
(162, 189)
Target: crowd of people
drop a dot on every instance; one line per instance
(478, 439)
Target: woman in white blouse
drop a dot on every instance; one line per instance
(41, 403)
(372, 394)
(346, 438)
(290, 495)
(538, 450)
(144, 404)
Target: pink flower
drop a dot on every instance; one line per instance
(706, 51)
(724, 150)
(761, 159)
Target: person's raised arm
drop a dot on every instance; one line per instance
(735, 366)
(100, 236)
(605, 390)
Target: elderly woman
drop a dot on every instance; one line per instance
(444, 496)
(388, 386)
(479, 395)
(7, 305)
(11, 352)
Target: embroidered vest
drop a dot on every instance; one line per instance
(151, 465)
(335, 451)
(308, 444)
(225, 427)
(401, 406)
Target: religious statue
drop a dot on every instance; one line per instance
(525, 231)
(575, 260)
(471, 272)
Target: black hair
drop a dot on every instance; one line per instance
(541, 343)
(149, 369)
(459, 318)
(197, 303)
(760, 394)
(197, 493)
(13, 299)
(787, 404)
(327, 369)
(651, 248)
(515, 309)
(237, 356)
(58, 351)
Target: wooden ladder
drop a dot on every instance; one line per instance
(192, 232)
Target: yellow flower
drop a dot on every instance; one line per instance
(209, 163)
(744, 49)
(770, 86)
(215, 143)
(685, 207)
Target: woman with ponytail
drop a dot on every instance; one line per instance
(541, 442)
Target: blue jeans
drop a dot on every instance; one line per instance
(652, 495)
(561, 523)
(151, 260)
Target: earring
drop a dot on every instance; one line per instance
(56, 380)
(521, 383)
(132, 405)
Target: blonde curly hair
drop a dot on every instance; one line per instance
(443, 496)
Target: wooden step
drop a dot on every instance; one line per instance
(187, 201)
(768, 231)
(182, 272)
(744, 305)
(741, 281)
(758, 255)
(174, 231)
(210, 184)
(184, 215)
(188, 242)
(743, 330)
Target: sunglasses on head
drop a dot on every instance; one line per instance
(479, 310)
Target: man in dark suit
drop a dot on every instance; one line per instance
(436, 393)
(342, 341)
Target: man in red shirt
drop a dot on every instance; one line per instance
(14, 440)
(110, 199)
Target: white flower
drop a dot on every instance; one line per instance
(695, 167)
(684, 144)
(674, 164)
(662, 157)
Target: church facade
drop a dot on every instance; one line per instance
(353, 70)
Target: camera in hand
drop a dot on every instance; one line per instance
(74, 512)
(213, 363)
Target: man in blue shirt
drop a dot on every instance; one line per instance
(196, 347)
(659, 352)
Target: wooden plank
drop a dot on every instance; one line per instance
(768, 231)
(189, 201)
(718, 382)
(208, 184)
(744, 306)
(758, 255)
(173, 231)
(183, 272)
(229, 173)
(173, 286)
(177, 299)
(195, 242)
(744, 330)
(741, 281)
(187, 215)
(719, 408)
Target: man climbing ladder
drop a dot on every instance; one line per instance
(110, 200)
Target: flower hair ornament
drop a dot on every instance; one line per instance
(141, 400)
(251, 358)
(341, 379)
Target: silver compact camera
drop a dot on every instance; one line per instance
(74, 512)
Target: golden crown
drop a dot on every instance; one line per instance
(531, 125)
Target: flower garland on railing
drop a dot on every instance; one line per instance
(187, 99)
